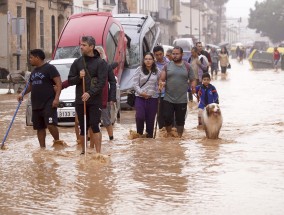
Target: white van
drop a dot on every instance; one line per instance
(186, 44)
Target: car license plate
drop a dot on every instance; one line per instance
(63, 114)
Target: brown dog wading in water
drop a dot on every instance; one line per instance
(212, 120)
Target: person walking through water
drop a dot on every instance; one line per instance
(161, 61)
(176, 77)
(276, 58)
(207, 94)
(94, 69)
(145, 84)
(215, 59)
(224, 61)
(44, 97)
(111, 94)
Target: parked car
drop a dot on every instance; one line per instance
(142, 35)
(107, 31)
(66, 108)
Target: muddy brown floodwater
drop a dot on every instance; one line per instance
(240, 173)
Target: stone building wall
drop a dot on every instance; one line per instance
(30, 11)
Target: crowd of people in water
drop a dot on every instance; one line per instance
(164, 83)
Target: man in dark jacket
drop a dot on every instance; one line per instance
(94, 70)
(205, 53)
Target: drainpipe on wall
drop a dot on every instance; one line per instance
(8, 40)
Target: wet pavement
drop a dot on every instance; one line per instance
(240, 173)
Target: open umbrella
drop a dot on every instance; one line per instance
(239, 44)
(223, 44)
(213, 46)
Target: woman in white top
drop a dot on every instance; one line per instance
(146, 87)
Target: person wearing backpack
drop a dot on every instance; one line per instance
(175, 78)
(91, 68)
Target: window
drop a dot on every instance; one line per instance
(112, 41)
(41, 21)
(150, 38)
(52, 32)
(110, 47)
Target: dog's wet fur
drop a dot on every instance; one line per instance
(212, 120)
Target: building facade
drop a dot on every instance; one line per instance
(166, 13)
(199, 21)
(30, 24)
(27, 25)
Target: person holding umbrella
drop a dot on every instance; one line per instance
(88, 73)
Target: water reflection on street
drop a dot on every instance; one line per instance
(240, 173)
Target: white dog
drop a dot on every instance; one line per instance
(212, 120)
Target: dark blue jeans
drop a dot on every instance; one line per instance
(146, 110)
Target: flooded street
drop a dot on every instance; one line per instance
(240, 173)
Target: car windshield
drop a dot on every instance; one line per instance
(63, 70)
(67, 52)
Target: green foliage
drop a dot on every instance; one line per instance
(268, 18)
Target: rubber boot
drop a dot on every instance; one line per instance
(180, 130)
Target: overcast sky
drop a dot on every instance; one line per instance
(240, 8)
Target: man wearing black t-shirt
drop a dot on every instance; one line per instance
(94, 69)
(44, 96)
